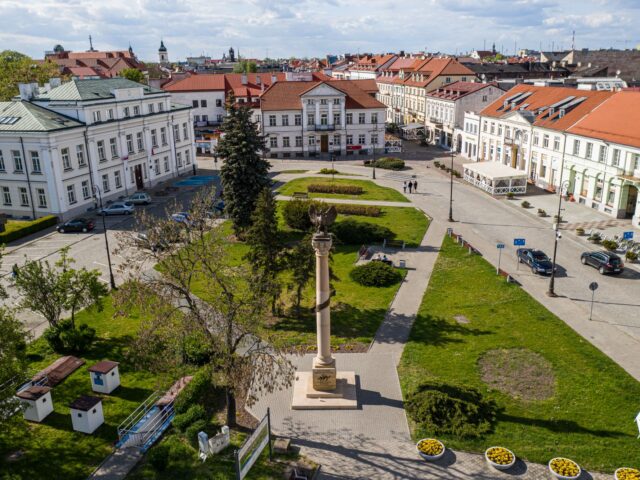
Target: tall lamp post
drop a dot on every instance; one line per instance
(373, 159)
(112, 280)
(552, 280)
(451, 188)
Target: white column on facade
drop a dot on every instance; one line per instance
(343, 112)
(317, 122)
(172, 147)
(54, 183)
(92, 158)
(330, 119)
(304, 115)
(146, 135)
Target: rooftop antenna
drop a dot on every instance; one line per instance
(573, 40)
(91, 44)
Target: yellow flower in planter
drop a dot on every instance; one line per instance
(430, 446)
(500, 456)
(627, 474)
(565, 467)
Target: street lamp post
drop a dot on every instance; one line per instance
(552, 281)
(112, 280)
(451, 188)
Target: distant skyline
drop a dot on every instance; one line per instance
(310, 28)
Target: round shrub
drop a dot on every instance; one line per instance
(64, 338)
(442, 409)
(329, 171)
(376, 274)
(191, 433)
(388, 163)
(610, 245)
(159, 457)
(296, 214)
(356, 232)
(197, 350)
(183, 420)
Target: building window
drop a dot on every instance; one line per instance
(130, 143)
(166, 164)
(362, 118)
(374, 118)
(589, 153)
(218, 102)
(151, 108)
(273, 142)
(102, 156)
(118, 179)
(35, 163)
(616, 157)
(602, 155)
(110, 114)
(285, 120)
(163, 135)
(105, 183)
(6, 196)
(484, 126)
(323, 119)
(194, 103)
(493, 128)
(17, 161)
(2, 168)
(185, 131)
(336, 101)
(536, 139)
(179, 159)
(297, 120)
(349, 139)
(312, 140)
(499, 125)
(140, 141)
(336, 139)
(336, 119)
(311, 119)
(545, 141)
(82, 162)
(161, 107)
(71, 194)
(96, 116)
(156, 166)
(323, 101)
(136, 110)
(374, 139)
(85, 190)
(349, 118)
(272, 120)
(187, 157)
(556, 144)
(66, 159)
(576, 147)
(113, 145)
(203, 103)
(24, 197)
(42, 198)
(154, 138)
(176, 133)
(285, 142)
(126, 112)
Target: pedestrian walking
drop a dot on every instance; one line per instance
(410, 186)
(15, 271)
(415, 186)
(404, 187)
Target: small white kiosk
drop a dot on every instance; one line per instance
(37, 402)
(105, 377)
(86, 414)
(496, 178)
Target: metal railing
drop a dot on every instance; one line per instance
(137, 415)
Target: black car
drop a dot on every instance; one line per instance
(76, 225)
(536, 259)
(605, 262)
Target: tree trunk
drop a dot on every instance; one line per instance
(298, 300)
(231, 407)
(73, 318)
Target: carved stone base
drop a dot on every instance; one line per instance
(343, 397)
(324, 375)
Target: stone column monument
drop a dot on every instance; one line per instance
(323, 387)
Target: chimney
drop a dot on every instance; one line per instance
(27, 91)
(55, 82)
(274, 79)
(258, 80)
(243, 79)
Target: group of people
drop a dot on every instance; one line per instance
(411, 185)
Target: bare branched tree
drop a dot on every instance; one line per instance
(197, 286)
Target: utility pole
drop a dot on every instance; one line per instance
(451, 189)
(112, 279)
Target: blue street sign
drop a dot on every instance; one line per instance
(627, 235)
(519, 242)
(500, 245)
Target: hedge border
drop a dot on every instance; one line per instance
(33, 226)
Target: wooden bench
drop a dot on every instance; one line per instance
(300, 195)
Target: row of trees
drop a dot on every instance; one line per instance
(15, 68)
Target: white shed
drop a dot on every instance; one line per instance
(495, 178)
(37, 402)
(105, 377)
(86, 414)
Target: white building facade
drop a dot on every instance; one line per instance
(65, 145)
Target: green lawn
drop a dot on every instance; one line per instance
(371, 191)
(589, 416)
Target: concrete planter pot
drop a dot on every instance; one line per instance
(431, 458)
(564, 477)
(500, 466)
(618, 473)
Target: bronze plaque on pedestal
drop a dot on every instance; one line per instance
(324, 378)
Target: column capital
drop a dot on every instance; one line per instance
(321, 243)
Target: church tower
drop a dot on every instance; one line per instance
(162, 53)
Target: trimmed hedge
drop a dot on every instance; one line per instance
(335, 188)
(375, 274)
(296, 212)
(195, 391)
(363, 210)
(356, 232)
(29, 227)
(329, 171)
(388, 163)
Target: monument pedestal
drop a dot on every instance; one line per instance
(343, 397)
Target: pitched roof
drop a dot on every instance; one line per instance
(85, 403)
(103, 366)
(423, 72)
(539, 99)
(456, 90)
(615, 120)
(286, 95)
(33, 393)
(368, 85)
(198, 83)
(21, 116)
(93, 89)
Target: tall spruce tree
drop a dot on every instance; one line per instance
(264, 255)
(244, 172)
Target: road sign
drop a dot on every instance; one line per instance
(627, 235)
(500, 245)
(593, 286)
(519, 242)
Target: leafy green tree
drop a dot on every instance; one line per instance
(133, 74)
(15, 68)
(50, 290)
(244, 172)
(301, 261)
(264, 255)
(13, 364)
(245, 66)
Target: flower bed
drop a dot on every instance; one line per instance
(335, 188)
(430, 449)
(500, 458)
(627, 473)
(564, 469)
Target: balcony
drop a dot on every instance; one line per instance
(436, 121)
(321, 128)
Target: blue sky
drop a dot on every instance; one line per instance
(284, 28)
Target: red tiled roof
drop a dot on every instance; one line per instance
(197, 83)
(545, 97)
(81, 72)
(456, 90)
(614, 120)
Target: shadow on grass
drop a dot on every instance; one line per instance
(559, 426)
(437, 331)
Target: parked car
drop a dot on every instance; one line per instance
(182, 217)
(605, 262)
(76, 225)
(118, 208)
(139, 198)
(142, 240)
(536, 259)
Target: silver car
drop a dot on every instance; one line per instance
(118, 208)
(139, 198)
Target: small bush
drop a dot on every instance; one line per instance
(388, 163)
(296, 214)
(580, 231)
(159, 457)
(64, 338)
(436, 164)
(195, 391)
(525, 204)
(631, 256)
(451, 410)
(595, 237)
(329, 171)
(335, 188)
(356, 232)
(364, 210)
(184, 420)
(191, 433)
(457, 174)
(376, 274)
(542, 213)
(510, 195)
(610, 245)
(197, 349)
(22, 229)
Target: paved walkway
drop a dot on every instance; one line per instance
(355, 202)
(117, 465)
